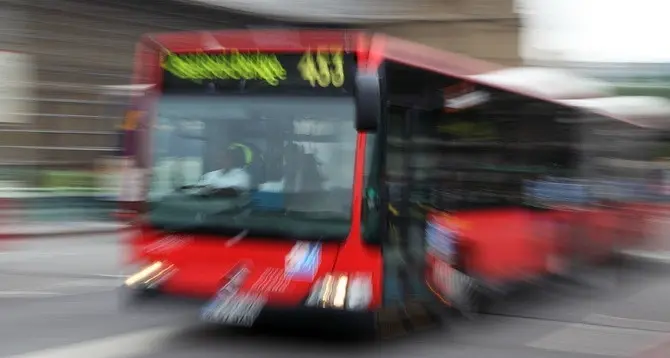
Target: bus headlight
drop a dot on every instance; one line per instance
(150, 276)
(359, 292)
(341, 291)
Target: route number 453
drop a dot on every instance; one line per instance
(322, 67)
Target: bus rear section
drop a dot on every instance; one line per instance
(255, 175)
(492, 188)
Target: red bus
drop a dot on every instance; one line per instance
(342, 172)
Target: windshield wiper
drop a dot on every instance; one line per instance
(237, 238)
(191, 186)
(170, 229)
(208, 191)
(316, 214)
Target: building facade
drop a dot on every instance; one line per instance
(77, 46)
(630, 78)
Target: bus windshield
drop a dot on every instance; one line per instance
(263, 166)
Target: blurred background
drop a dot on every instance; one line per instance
(65, 66)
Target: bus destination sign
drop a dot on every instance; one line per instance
(318, 70)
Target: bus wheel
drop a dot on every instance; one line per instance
(482, 301)
(366, 327)
(358, 327)
(477, 301)
(131, 297)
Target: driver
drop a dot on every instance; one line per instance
(233, 173)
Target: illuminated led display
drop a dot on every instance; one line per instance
(235, 66)
(321, 68)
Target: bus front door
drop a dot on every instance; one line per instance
(404, 247)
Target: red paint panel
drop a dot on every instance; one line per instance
(202, 261)
(506, 245)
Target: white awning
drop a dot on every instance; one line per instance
(548, 83)
(640, 110)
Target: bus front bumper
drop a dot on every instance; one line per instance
(148, 302)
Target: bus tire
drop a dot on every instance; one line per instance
(366, 327)
(358, 327)
(482, 301)
(132, 297)
(479, 301)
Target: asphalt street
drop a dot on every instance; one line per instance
(59, 298)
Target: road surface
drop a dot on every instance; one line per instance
(58, 299)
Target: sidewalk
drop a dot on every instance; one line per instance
(659, 351)
(32, 212)
(657, 249)
(43, 230)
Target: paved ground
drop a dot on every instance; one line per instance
(69, 228)
(58, 299)
(87, 256)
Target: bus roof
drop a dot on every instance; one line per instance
(509, 80)
(542, 82)
(527, 82)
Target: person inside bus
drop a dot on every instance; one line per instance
(300, 172)
(277, 185)
(233, 173)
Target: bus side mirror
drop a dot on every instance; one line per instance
(368, 101)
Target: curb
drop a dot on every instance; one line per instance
(63, 233)
(658, 351)
(647, 257)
